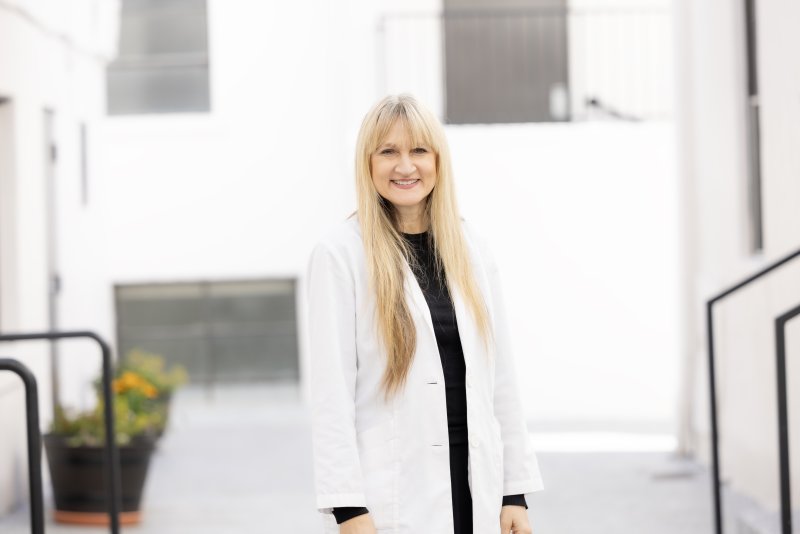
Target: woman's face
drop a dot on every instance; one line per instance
(404, 174)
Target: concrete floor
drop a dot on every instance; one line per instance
(238, 461)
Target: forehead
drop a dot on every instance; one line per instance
(401, 132)
(397, 134)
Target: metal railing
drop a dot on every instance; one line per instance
(113, 481)
(783, 418)
(783, 424)
(34, 441)
(530, 65)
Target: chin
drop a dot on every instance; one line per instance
(406, 202)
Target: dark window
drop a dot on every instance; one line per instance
(162, 66)
(510, 61)
(505, 63)
(221, 331)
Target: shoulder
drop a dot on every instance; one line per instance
(470, 232)
(341, 242)
(341, 234)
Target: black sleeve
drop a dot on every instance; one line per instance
(348, 512)
(518, 500)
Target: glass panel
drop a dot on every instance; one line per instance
(166, 312)
(220, 331)
(151, 27)
(502, 67)
(158, 90)
(264, 307)
(241, 357)
(163, 59)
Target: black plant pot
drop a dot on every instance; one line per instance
(79, 484)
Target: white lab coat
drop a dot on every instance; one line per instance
(393, 457)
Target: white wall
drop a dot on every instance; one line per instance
(52, 56)
(780, 122)
(714, 173)
(11, 391)
(620, 52)
(583, 221)
(780, 127)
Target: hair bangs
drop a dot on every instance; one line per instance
(415, 124)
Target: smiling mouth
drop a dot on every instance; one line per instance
(405, 182)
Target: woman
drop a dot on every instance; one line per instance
(416, 420)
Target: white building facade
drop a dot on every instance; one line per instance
(52, 62)
(718, 89)
(591, 221)
(583, 216)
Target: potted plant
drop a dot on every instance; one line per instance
(75, 453)
(152, 368)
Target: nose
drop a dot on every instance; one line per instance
(405, 166)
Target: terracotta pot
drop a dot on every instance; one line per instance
(79, 483)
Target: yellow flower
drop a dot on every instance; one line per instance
(131, 381)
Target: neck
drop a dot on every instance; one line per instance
(412, 220)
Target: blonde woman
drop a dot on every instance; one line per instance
(416, 419)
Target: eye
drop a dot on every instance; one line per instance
(420, 150)
(387, 151)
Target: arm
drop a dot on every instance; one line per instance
(520, 467)
(332, 376)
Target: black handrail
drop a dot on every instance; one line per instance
(712, 379)
(783, 418)
(113, 483)
(34, 441)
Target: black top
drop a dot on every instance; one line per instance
(452, 355)
(443, 316)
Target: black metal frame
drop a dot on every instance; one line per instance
(113, 481)
(713, 389)
(34, 441)
(783, 418)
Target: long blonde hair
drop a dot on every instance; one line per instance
(386, 250)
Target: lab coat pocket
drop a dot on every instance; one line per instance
(377, 453)
(498, 442)
(375, 435)
(375, 447)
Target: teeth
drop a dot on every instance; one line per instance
(405, 182)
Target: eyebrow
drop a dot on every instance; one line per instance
(392, 145)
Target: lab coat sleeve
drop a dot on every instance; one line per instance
(332, 378)
(520, 466)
